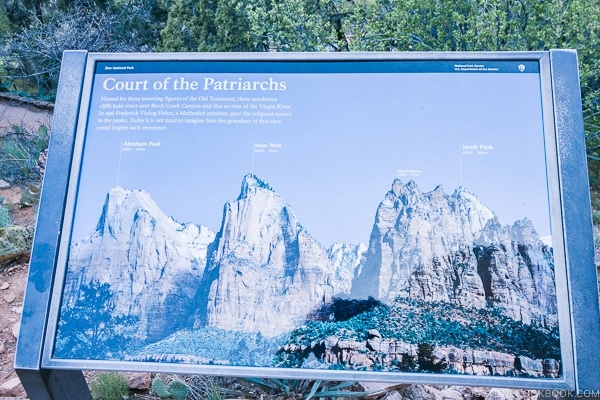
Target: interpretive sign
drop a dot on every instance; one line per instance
(391, 217)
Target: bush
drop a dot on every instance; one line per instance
(176, 389)
(19, 155)
(5, 219)
(344, 309)
(109, 386)
(216, 345)
(427, 361)
(30, 61)
(90, 329)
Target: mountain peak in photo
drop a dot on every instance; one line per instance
(265, 273)
(451, 248)
(152, 263)
(251, 184)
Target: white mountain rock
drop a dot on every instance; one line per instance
(346, 259)
(265, 273)
(451, 248)
(152, 263)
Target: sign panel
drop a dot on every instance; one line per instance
(391, 217)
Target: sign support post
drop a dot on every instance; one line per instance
(578, 225)
(41, 384)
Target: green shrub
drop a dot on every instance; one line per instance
(4, 217)
(427, 361)
(20, 153)
(207, 387)
(176, 389)
(109, 386)
(32, 53)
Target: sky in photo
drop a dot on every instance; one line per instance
(349, 137)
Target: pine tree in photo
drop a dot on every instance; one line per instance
(90, 330)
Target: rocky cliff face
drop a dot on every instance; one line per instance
(421, 247)
(438, 247)
(517, 271)
(265, 272)
(152, 263)
(346, 259)
(392, 355)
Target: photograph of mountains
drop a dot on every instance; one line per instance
(402, 223)
(441, 286)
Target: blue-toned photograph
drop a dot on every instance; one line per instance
(359, 221)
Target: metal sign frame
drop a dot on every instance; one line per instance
(47, 374)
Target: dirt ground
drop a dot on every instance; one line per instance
(12, 284)
(16, 112)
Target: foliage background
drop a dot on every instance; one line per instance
(34, 33)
